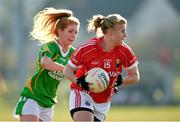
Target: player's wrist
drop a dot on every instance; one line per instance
(119, 80)
(82, 83)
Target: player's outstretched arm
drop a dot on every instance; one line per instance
(132, 76)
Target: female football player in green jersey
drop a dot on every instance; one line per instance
(56, 29)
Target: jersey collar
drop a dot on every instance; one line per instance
(98, 40)
(99, 47)
(60, 48)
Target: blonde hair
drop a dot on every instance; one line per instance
(48, 21)
(100, 23)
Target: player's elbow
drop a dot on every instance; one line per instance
(45, 61)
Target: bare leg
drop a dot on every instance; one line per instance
(81, 116)
(32, 118)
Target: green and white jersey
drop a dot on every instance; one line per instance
(43, 85)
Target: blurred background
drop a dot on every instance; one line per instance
(153, 33)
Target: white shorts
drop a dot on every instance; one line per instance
(27, 106)
(82, 101)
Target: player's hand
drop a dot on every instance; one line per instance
(82, 83)
(118, 83)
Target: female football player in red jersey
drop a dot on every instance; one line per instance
(56, 29)
(107, 51)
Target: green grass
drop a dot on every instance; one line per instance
(116, 113)
(120, 113)
(144, 113)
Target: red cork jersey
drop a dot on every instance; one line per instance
(91, 54)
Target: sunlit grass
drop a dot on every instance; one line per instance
(148, 113)
(120, 113)
(116, 113)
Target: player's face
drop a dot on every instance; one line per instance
(119, 34)
(69, 34)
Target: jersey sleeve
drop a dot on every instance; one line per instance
(48, 49)
(76, 58)
(130, 59)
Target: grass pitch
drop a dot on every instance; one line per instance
(116, 113)
(130, 114)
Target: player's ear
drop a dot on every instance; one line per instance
(111, 31)
(59, 31)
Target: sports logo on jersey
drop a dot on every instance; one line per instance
(63, 60)
(87, 103)
(108, 64)
(58, 75)
(94, 62)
